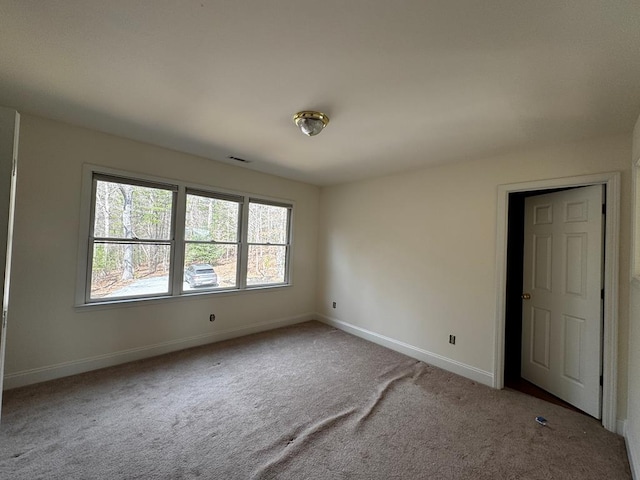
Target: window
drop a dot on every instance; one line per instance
(212, 238)
(155, 238)
(132, 238)
(268, 243)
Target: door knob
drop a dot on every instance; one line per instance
(525, 296)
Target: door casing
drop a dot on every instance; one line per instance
(9, 128)
(612, 234)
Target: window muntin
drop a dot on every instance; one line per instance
(167, 227)
(268, 243)
(212, 237)
(131, 240)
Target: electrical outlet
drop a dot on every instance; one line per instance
(452, 339)
(212, 317)
(334, 304)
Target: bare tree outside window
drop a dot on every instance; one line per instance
(227, 241)
(268, 241)
(131, 236)
(212, 238)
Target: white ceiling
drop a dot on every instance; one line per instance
(405, 83)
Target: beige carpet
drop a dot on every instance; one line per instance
(303, 402)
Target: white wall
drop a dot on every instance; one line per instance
(412, 256)
(48, 336)
(633, 403)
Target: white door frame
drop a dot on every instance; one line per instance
(9, 128)
(611, 261)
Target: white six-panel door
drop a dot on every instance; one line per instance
(561, 307)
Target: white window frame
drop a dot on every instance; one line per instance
(241, 200)
(97, 176)
(182, 188)
(287, 243)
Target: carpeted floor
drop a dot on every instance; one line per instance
(302, 402)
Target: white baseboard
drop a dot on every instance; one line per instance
(459, 368)
(620, 426)
(633, 452)
(51, 372)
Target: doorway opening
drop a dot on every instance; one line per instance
(610, 273)
(513, 310)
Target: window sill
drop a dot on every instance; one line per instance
(207, 295)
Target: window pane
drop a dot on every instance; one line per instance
(211, 219)
(124, 270)
(266, 264)
(132, 211)
(267, 223)
(209, 266)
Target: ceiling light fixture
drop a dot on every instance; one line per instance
(310, 123)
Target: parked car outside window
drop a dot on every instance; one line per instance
(201, 275)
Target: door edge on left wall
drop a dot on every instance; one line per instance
(9, 134)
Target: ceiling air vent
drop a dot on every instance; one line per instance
(238, 159)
